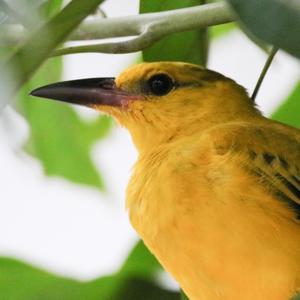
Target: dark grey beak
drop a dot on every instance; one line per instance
(89, 92)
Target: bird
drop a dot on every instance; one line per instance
(215, 190)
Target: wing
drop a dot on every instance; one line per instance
(270, 153)
(279, 175)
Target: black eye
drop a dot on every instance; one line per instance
(160, 84)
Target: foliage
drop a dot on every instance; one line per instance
(39, 45)
(297, 297)
(193, 44)
(62, 142)
(127, 284)
(183, 296)
(59, 138)
(259, 17)
(288, 111)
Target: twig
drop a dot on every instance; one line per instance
(142, 41)
(149, 27)
(264, 72)
(146, 28)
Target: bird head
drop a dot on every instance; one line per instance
(158, 102)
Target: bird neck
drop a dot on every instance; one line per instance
(153, 125)
(148, 137)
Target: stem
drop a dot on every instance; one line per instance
(148, 28)
(264, 72)
(157, 25)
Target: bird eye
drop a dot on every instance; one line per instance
(160, 84)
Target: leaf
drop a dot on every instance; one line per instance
(50, 8)
(183, 296)
(19, 281)
(296, 297)
(220, 30)
(141, 263)
(58, 137)
(136, 289)
(190, 46)
(40, 44)
(289, 111)
(274, 21)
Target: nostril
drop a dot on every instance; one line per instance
(107, 83)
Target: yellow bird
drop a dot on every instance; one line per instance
(215, 192)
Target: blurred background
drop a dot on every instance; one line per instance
(64, 169)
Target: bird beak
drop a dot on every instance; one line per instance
(92, 92)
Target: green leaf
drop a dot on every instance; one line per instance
(289, 111)
(296, 297)
(40, 44)
(184, 296)
(276, 22)
(59, 138)
(141, 263)
(50, 8)
(19, 281)
(190, 46)
(136, 289)
(222, 29)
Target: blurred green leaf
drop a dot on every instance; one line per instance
(218, 31)
(59, 138)
(190, 46)
(289, 111)
(19, 281)
(40, 44)
(222, 29)
(184, 296)
(50, 8)
(4, 52)
(141, 263)
(137, 289)
(274, 21)
(296, 297)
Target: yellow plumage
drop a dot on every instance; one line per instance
(215, 193)
(197, 197)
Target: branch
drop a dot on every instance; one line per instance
(145, 28)
(144, 40)
(148, 28)
(190, 18)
